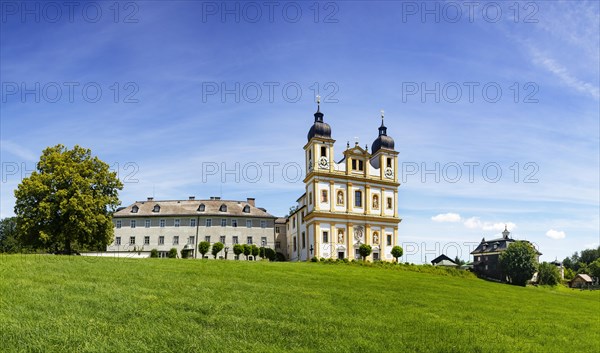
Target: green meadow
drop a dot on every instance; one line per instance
(78, 304)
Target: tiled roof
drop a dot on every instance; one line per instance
(585, 277)
(487, 246)
(442, 258)
(190, 207)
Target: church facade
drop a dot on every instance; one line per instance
(346, 203)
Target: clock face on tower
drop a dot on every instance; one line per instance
(389, 173)
(323, 162)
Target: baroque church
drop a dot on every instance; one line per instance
(346, 203)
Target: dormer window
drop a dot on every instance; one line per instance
(246, 209)
(357, 165)
(156, 208)
(135, 209)
(223, 208)
(201, 208)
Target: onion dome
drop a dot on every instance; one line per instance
(383, 140)
(319, 128)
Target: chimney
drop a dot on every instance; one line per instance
(251, 201)
(192, 198)
(150, 198)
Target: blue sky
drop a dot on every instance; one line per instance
(528, 104)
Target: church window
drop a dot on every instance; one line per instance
(360, 165)
(295, 245)
(309, 155)
(389, 162)
(323, 151)
(324, 196)
(389, 203)
(357, 198)
(325, 237)
(303, 240)
(310, 198)
(389, 240)
(353, 164)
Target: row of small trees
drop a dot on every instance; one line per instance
(238, 249)
(365, 250)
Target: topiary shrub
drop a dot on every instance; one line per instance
(172, 253)
(314, 259)
(154, 253)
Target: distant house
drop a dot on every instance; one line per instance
(581, 280)
(443, 260)
(486, 256)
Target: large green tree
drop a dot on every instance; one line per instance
(519, 262)
(548, 274)
(66, 204)
(9, 241)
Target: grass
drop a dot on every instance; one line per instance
(55, 304)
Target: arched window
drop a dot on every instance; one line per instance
(246, 209)
(223, 208)
(135, 209)
(156, 208)
(201, 208)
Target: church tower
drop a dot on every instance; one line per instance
(346, 203)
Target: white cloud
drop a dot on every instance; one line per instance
(17, 150)
(476, 223)
(555, 234)
(564, 75)
(446, 217)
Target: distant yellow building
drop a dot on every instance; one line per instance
(346, 203)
